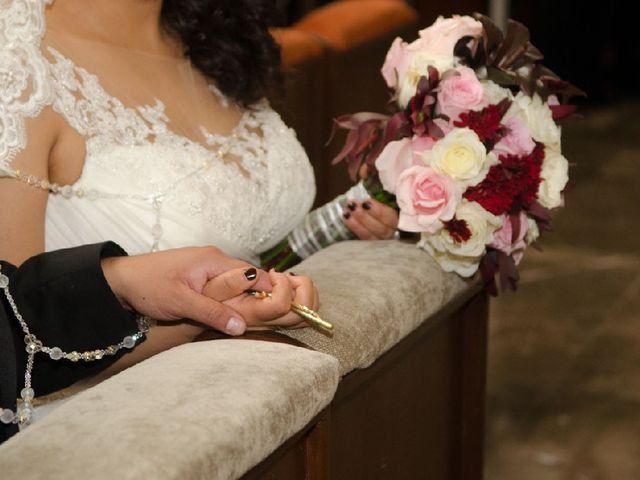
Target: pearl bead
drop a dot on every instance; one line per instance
(27, 394)
(55, 353)
(67, 191)
(4, 281)
(129, 342)
(7, 417)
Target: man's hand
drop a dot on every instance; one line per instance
(168, 285)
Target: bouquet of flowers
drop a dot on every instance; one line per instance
(470, 154)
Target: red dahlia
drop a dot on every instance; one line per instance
(486, 122)
(510, 186)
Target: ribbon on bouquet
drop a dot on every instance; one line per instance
(322, 227)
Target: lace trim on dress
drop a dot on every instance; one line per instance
(24, 86)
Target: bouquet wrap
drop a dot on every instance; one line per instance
(321, 228)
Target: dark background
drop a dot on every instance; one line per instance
(596, 48)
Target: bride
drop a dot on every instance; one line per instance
(145, 122)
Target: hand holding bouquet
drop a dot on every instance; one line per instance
(472, 149)
(470, 155)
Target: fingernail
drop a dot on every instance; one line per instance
(346, 215)
(251, 273)
(234, 326)
(351, 206)
(292, 274)
(366, 206)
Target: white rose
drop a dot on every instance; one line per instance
(461, 155)
(463, 257)
(494, 93)
(419, 67)
(539, 119)
(555, 175)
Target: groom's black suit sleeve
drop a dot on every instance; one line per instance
(66, 301)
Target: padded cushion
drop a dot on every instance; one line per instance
(203, 410)
(347, 24)
(298, 46)
(375, 293)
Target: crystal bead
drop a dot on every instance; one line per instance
(7, 416)
(87, 356)
(56, 353)
(24, 413)
(32, 348)
(111, 350)
(129, 342)
(67, 191)
(98, 354)
(27, 394)
(157, 204)
(4, 281)
(157, 231)
(73, 356)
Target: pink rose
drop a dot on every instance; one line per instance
(399, 155)
(426, 198)
(504, 237)
(396, 63)
(441, 37)
(460, 93)
(517, 142)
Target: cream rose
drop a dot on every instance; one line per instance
(463, 257)
(555, 175)
(419, 67)
(462, 156)
(494, 93)
(539, 120)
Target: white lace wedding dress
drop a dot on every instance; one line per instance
(144, 184)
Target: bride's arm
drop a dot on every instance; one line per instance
(23, 206)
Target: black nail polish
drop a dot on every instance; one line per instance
(251, 274)
(292, 274)
(346, 215)
(351, 206)
(366, 206)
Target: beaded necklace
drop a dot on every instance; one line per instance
(24, 408)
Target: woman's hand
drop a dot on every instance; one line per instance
(268, 312)
(371, 220)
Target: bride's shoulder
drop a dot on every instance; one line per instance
(24, 84)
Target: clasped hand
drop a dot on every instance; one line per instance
(205, 285)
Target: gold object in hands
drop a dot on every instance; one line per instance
(309, 315)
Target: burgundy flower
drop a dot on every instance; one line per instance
(510, 186)
(486, 122)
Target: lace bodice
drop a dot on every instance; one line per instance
(142, 184)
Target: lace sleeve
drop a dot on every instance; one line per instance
(24, 84)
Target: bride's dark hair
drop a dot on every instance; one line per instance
(229, 41)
